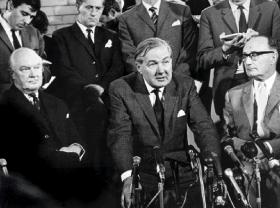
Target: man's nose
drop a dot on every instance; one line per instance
(160, 68)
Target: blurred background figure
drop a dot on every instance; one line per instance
(110, 13)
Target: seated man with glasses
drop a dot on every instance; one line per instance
(252, 114)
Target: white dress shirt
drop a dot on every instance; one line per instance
(148, 6)
(7, 28)
(85, 32)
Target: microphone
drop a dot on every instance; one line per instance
(229, 174)
(134, 174)
(217, 164)
(3, 164)
(229, 150)
(159, 163)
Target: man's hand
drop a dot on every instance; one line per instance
(126, 193)
(237, 41)
(97, 90)
(250, 32)
(73, 148)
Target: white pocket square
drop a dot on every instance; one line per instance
(181, 113)
(177, 22)
(108, 44)
(67, 115)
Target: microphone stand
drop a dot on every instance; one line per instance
(135, 188)
(161, 170)
(258, 182)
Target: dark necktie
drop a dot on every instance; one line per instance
(154, 16)
(91, 43)
(158, 109)
(36, 102)
(255, 125)
(242, 20)
(15, 40)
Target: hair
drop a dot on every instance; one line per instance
(111, 4)
(79, 2)
(41, 22)
(35, 4)
(272, 42)
(148, 44)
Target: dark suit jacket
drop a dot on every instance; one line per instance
(175, 25)
(31, 38)
(30, 140)
(79, 65)
(239, 113)
(264, 17)
(133, 129)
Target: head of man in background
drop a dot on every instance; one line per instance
(260, 57)
(89, 12)
(26, 70)
(153, 59)
(21, 12)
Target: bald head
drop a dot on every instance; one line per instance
(27, 70)
(260, 57)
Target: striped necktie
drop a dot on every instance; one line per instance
(154, 16)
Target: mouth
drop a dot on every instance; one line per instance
(160, 79)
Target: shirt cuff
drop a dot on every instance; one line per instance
(269, 147)
(82, 152)
(126, 174)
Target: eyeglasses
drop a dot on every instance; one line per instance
(254, 54)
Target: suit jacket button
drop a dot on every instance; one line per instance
(93, 62)
(96, 75)
(47, 136)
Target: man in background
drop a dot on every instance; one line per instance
(15, 32)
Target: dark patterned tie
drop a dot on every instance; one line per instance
(91, 43)
(15, 40)
(159, 111)
(36, 102)
(242, 20)
(154, 16)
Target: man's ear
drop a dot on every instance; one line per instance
(138, 67)
(9, 5)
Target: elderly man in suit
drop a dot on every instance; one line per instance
(252, 109)
(89, 58)
(150, 110)
(15, 32)
(227, 17)
(168, 21)
(41, 143)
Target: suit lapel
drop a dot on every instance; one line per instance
(142, 97)
(163, 15)
(170, 101)
(81, 38)
(144, 16)
(98, 41)
(248, 102)
(5, 38)
(228, 17)
(274, 97)
(254, 15)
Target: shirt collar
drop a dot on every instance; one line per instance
(84, 29)
(268, 82)
(148, 6)
(234, 7)
(150, 88)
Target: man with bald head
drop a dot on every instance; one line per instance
(40, 143)
(252, 109)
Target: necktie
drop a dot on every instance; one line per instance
(158, 109)
(91, 43)
(36, 102)
(242, 20)
(262, 102)
(15, 40)
(154, 16)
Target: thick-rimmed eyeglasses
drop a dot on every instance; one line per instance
(254, 54)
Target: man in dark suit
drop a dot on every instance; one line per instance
(39, 139)
(253, 109)
(150, 108)
(168, 21)
(15, 32)
(227, 17)
(89, 58)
